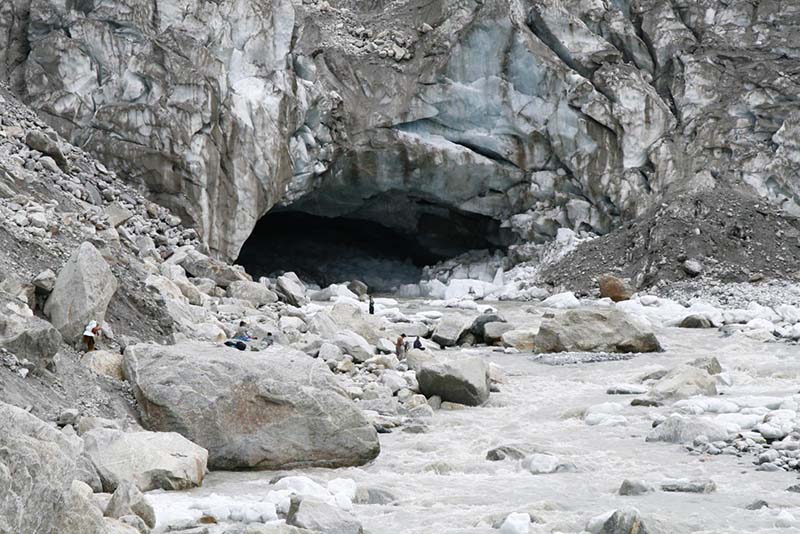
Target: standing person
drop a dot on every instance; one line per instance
(91, 331)
(400, 346)
(371, 306)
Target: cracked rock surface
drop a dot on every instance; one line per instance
(535, 114)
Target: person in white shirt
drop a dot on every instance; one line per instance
(90, 334)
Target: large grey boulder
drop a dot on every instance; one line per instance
(44, 143)
(493, 332)
(354, 345)
(291, 289)
(37, 468)
(450, 329)
(461, 380)
(83, 290)
(349, 316)
(80, 515)
(323, 325)
(358, 287)
(198, 265)
(477, 326)
(272, 409)
(521, 339)
(680, 429)
(128, 500)
(105, 363)
(318, 516)
(595, 330)
(254, 292)
(684, 381)
(151, 460)
(26, 335)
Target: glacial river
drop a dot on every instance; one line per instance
(444, 484)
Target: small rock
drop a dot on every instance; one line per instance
(689, 486)
(710, 364)
(692, 267)
(634, 487)
(45, 280)
(695, 321)
(68, 417)
(647, 403)
(614, 288)
(504, 452)
(757, 505)
(516, 523)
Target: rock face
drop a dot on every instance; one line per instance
(462, 380)
(545, 115)
(83, 289)
(151, 460)
(272, 409)
(600, 330)
(37, 467)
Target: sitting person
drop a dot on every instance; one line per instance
(241, 332)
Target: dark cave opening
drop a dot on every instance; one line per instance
(326, 250)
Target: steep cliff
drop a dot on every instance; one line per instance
(510, 118)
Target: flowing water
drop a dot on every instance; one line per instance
(444, 484)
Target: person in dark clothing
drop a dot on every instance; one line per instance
(418, 344)
(371, 306)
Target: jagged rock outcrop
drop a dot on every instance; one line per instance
(514, 115)
(184, 90)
